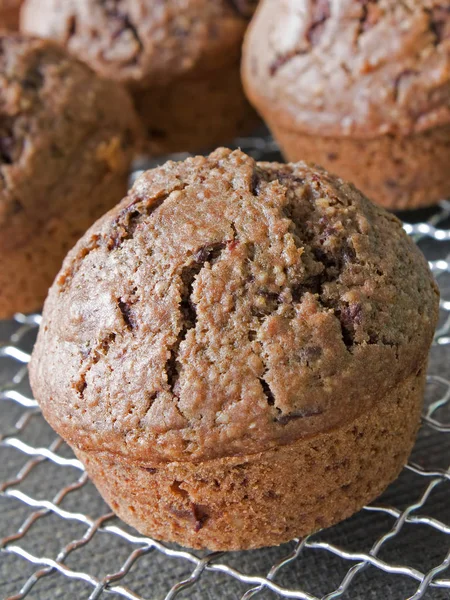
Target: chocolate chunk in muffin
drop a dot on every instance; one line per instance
(180, 61)
(362, 88)
(237, 351)
(66, 142)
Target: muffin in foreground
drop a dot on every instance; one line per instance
(362, 88)
(179, 60)
(10, 14)
(237, 351)
(66, 143)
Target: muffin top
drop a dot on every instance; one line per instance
(141, 42)
(59, 124)
(226, 306)
(351, 67)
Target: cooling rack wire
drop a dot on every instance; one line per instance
(59, 540)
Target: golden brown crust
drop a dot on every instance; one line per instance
(271, 497)
(397, 172)
(226, 307)
(66, 142)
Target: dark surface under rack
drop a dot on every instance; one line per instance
(58, 539)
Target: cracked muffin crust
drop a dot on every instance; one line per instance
(66, 142)
(180, 60)
(230, 313)
(361, 87)
(9, 14)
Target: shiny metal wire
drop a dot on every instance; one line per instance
(434, 232)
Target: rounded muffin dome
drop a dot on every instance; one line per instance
(350, 67)
(226, 306)
(143, 43)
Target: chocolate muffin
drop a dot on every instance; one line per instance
(237, 351)
(180, 60)
(9, 14)
(361, 87)
(66, 142)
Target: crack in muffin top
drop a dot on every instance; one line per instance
(226, 306)
(351, 67)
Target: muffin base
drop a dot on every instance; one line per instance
(195, 114)
(265, 499)
(396, 172)
(27, 271)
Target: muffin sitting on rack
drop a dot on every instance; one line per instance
(180, 61)
(237, 351)
(360, 87)
(66, 142)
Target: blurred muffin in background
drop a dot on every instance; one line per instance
(360, 87)
(67, 138)
(179, 59)
(10, 14)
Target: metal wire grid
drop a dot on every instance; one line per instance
(224, 567)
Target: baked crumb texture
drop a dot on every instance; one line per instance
(237, 351)
(361, 87)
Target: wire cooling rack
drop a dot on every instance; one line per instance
(59, 540)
